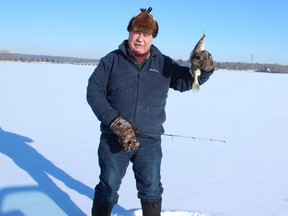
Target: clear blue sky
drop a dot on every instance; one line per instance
(240, 30)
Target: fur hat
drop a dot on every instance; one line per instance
(144, 22)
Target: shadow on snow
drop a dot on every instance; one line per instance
(46, 196)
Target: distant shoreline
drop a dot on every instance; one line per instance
(30, 58)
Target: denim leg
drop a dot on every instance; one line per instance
(113, 162)
(146, 167)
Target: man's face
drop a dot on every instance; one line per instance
(139, 42)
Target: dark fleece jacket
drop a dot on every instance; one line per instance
(118, 88)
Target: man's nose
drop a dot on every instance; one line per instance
(140, 36)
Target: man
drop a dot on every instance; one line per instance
(127, 92)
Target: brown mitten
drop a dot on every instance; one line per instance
(203, 60)
(125, 133)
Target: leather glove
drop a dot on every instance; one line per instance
(125, 133)
(203, 60)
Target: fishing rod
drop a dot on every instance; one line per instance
(181, 136)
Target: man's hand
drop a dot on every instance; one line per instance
(203, 60)
(125, 133)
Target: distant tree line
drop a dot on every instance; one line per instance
(257, 67)
(7, 56)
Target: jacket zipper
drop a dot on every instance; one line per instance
(139, 68)
(137, 99)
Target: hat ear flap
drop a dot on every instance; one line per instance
(129, 27)
(155, 32)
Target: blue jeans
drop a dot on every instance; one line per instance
(114, 160)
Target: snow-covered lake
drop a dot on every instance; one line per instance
(49, 139)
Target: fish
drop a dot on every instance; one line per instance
(195, 71)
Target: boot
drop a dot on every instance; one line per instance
(101, 210)
(151, 208)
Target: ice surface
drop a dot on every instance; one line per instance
(49, 139)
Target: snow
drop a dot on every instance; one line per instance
(49, 139)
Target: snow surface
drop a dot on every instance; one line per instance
(49, 139)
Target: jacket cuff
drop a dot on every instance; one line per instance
(211, 71)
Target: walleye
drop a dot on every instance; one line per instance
(194, 70)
